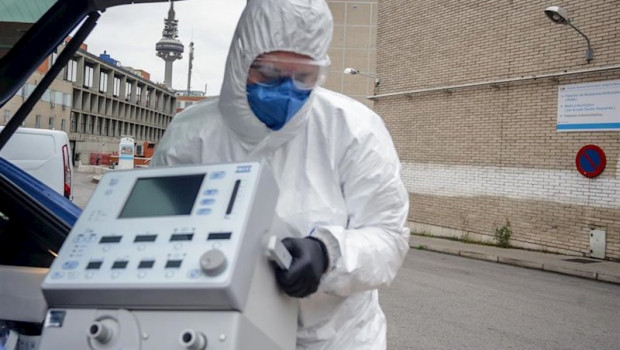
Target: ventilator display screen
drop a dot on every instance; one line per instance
(162, 196)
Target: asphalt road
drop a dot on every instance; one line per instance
(442, 301)
(83, 187)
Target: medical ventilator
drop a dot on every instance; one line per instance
(172, 258)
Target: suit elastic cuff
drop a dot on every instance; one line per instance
(332, 247)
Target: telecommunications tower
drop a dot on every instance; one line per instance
(169, 48)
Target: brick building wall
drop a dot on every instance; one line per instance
(476, 157)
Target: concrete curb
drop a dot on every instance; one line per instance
(521, 263)
(568, 271)
(479, 256)
(608, 278)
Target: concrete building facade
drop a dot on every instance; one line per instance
(96, 102)
(111, 101)
(469, 91)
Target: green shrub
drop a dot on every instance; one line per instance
(503, 234)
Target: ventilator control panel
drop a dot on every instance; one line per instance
(194, 229)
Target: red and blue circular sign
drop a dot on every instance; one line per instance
(590, 161)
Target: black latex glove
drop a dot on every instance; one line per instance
(309, 263)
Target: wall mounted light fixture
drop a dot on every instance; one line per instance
(560, 16)
(353, 71)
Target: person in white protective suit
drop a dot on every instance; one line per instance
(341, 197)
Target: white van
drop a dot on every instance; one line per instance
(44, 154)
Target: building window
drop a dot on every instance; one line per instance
(138, 94)
(117, 86)
(90, 124)
(50, 124)
(52, 96)
(83, 126)
(103, 82)
(127, 91)
(7, 116)
(63, 125)
(88, 76)
(66, 101)
(37, 121)
(74, 122)
(58, 100)
(71, 71)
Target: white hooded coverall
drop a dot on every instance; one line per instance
(335, 164)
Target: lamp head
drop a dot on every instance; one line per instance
(351, 71)
(557, 14)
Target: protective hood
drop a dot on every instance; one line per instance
(300, 26)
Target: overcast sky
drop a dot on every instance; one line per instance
(129, 34)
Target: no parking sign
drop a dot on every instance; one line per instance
(590, 161)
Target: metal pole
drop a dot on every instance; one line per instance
(494, 82)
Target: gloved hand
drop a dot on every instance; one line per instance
(310, 261)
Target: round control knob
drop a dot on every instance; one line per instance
(213, 262)
(100, 332)
(193, 340)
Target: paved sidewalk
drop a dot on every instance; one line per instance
(601, 270)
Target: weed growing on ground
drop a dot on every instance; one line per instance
(503, 234)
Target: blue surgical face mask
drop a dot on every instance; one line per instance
(275, 105)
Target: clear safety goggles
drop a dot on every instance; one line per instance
(306, 74)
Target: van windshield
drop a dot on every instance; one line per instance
(16, 17)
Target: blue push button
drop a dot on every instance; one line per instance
(243, 169)
(204, 211)
(207, 201)
(217, 175)
(58, 275)
(211, 192)
(69, 265)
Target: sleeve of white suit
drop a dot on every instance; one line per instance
(367, 253)
(177, 146)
